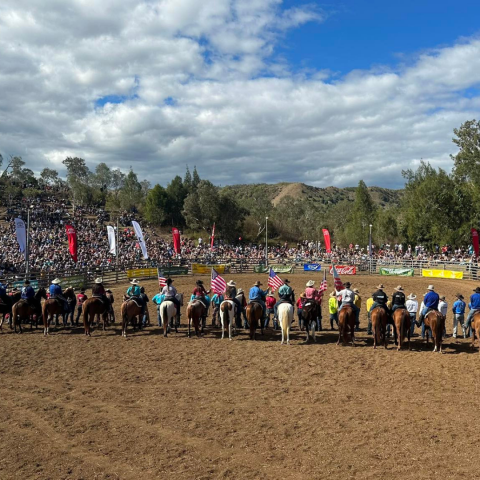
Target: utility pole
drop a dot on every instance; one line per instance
(27, 249)
(266, 241)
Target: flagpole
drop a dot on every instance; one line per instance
(27, 259)
(266, 241)
(116, 253)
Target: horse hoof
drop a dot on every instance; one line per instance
(165, 335)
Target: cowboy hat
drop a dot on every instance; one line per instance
(380, 286)
(459, 295)
(431, 287)
(347, 284)
(107, 290)
(135, 282)
(82, 290)
(240, 291)
(199, 282)
(257, 283)
(269, 295)
(332, 294)
(98, 280)
(26, 282)
(286, 280)
(231, 283)
(56, 281)
(302, 295)
(399, 288)
(412, 296)
(310, 283)
(477, 290)
(355, 290)
(442, 298)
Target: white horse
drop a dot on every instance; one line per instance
(227, 316)
(285, 318)
(168, 311)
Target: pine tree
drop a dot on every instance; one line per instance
(196, 178)
(187, 181)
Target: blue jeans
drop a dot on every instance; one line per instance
(354, 307)
(267, 320)
(333, 318)
(429, 332)
(469, 319)
(413, 319)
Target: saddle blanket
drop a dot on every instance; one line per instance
(135, 301)
(199, 301)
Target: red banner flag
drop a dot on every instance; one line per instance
(72, 241)
(326, 236)
(176, 240)
(213, 237)
(475, 241)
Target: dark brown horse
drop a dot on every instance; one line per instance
(55, 307)
(91, 307)
(196, 310)
(346, 321)
(22, 310)
(379, 326)
(130, 310)
(401, 320)
(254, 312)
(6, 308)
(476, 329)
(309, 316)
(111, 313)
(435, 321)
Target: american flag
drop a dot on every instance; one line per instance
(218, 284)
(336, 279)
(323, 286)
(162, 281)
(274, 281)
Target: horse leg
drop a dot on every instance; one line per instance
(231, 320)
(307, 325)
(189, 323)
(314, 324)
(352, 333)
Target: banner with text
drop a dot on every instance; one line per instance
(442, 274)
(312, 267)
(174, 270)
(275, 268)
(402, 272)
(142, 272)
(200, 269)
(345, 269)
(76, 281)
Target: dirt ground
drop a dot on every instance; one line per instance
(150, 407)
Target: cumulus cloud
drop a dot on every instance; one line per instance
(160, 84)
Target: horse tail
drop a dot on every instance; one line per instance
(402, 325)
(85, 313)
(14, 315)
(283, 318)
(164, 312)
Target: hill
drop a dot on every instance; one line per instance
(321, 197)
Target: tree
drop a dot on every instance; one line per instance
(156, 205)
(187, 181)
(130, 196)
(202, 206)
(103, 176)
(467, 160)
(76, 169)
(145, 187)
(49, 176)
(16, 165)
(361, 216)
(117, 181)
(195, 178)
(176, 197)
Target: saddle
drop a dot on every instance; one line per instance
(134, 300)
(200, 301)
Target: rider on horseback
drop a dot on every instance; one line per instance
(286, 295)
(430, 302)
(231, 294)
(134, 293)
(474, 307)
(398, 299)
(257, 295)
(170, 294)
(199, 293)
(380, 299)
(55, 291)
(28, 294)
(348, 298)
(3, 294)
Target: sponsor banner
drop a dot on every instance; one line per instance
(442, 274)
(312, 267)
(402, 272)
(77, 281)
(174, 270)
(142, 272)
(345, 269)
(275, 268)
(200, 269)
(19, 285)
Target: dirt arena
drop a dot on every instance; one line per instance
(147, 407)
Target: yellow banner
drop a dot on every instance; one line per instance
(200, 269)
(442, 274)
(142, 272)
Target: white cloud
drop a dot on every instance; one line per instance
(234, 110)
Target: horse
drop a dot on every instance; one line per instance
(23, 310)
(130, 310)
(401, 320)
(228, 310)
(476, 329)
(346, 319)
(254, 312)
(379, 326)
(6, 309)
(111, 313)
(435, 321)
(54, 306)
(285, 318)
(70, 313)
(168, 311)
(94, 306)
(309, 317)
(196, 310)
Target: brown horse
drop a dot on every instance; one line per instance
(476, 329)
(22, 310)
(254, 312)
(91, 307)
(111, 313)
(130, 310)
(435, 321)
(6, 308)
(346, 321)
(379, 326)
(196, 310)
(401, 320)
(55, 307)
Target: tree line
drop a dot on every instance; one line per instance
(436, 207)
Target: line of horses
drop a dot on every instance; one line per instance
(131, 311)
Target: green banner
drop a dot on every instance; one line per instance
(276, 268)
(77, 281)
(402, 272)
(175, 270)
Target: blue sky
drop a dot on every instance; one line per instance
(360, 34)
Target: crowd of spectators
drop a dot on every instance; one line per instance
(49, 246)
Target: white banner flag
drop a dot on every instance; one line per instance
(111, 240)
(141, 241)
(21, 234)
